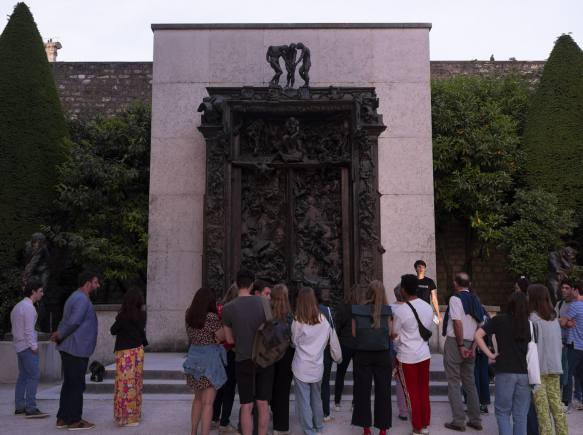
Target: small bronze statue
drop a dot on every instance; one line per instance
(306, 63)
(274, 52)
(37, 259)
(289, 54)
(560, 265)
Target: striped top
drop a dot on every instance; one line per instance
(575, 311)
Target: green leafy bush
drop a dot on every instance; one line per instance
(538, 227)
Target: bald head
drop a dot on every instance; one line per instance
(461, 280)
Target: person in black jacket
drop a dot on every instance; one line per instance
(130, 339)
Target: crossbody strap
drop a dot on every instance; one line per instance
(415, 314)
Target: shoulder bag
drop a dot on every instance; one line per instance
(423, 331)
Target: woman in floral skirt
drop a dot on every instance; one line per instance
(130, 339)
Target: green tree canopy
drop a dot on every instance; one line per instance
(32, 141)
(102, 205)
(553, 137)
(537, 228)
(476, 136)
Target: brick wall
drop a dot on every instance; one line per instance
(490, 280)
(90, 88)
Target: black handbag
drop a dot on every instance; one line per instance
(423, 331)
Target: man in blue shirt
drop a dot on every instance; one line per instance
(76, 338)
(572, 318)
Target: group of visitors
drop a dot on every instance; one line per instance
(382, 341)
(76, 337)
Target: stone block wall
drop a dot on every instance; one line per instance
(90, 88)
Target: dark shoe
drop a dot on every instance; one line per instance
(476, 426)
(61, 424)
(35, 413)
(18, 411)
(455, 427)
(403, 417)
(484, 409)
(81, 425)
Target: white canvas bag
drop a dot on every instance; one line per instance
(532, 362)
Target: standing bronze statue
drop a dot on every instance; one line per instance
(274, 52)
(289, 55)
(306, 60)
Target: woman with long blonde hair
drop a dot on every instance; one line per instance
(283, 375)
(372, 360)
(310, 335)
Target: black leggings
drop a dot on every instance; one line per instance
(347, 355)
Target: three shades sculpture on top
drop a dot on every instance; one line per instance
(289, 53)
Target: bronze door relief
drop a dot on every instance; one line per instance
(291, 190)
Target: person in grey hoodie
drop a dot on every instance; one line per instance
(76, 338)
(547, 397)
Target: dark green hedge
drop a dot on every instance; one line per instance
(32, 134)
(553, 137)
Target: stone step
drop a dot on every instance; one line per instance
(175, 374)
(163, 378)
(178, 386)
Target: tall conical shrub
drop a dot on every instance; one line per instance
(33, 136)
(553, 137)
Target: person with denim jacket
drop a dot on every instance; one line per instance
(205, 363)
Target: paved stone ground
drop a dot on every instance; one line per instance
(169, 417)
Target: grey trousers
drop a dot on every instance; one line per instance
(459, 370)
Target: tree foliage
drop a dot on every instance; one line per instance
(33, 141)
(477, 124)
(102, 206)
(538, 227)
(553, 137)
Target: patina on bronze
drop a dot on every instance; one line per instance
(292, 190)
(289, 55)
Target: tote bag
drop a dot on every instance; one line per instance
(532, 362)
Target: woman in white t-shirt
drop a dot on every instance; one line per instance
(413, 354)
(310, 335)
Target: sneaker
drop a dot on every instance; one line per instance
(566, 409)
(403, 417)
(19, 411)
(35, 413)
(81, 425)
(425, 431)
(455, 427)
(337, 407)
(133, 424)
(577, 405)
(214, 424)
(328, 418)
(61, 424)
(484, 409)
(232, 429)
(476, 426)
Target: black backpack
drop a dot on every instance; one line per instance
(272, 339)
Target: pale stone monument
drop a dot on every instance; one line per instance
(392, 59)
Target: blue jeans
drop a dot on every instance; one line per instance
(512, 397)
(309, 406)
(27, 383)
(574, 359)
